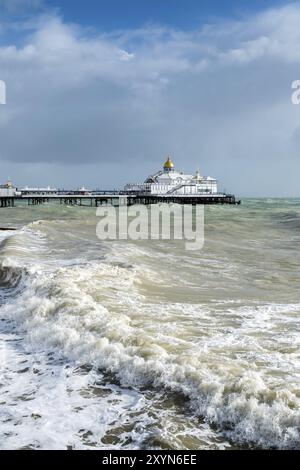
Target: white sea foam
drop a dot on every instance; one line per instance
(95, 314)
(151, 317)
(46, 403)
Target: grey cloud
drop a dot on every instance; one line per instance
(218, 98)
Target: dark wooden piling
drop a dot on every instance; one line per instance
(7, 201)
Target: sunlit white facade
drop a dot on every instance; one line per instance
(7, 189)
(171, 181)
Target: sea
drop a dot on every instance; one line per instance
(143, 344)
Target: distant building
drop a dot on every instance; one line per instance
(171, 181)
(48, 191)
(37, 191)
(7, 189)
(83, 191)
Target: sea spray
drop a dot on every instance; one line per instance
(218, 328)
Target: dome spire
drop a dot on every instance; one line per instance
(169, 165)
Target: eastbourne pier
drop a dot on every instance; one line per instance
(167, 185)
(115, 198)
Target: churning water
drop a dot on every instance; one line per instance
(142, 344)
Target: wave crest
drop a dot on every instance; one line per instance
(95, 314)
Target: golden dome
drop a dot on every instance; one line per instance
(169, 164)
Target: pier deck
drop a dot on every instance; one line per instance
(116, 199)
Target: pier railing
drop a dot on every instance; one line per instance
(115, 197)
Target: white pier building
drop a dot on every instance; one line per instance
(173, 182)
(7, 189)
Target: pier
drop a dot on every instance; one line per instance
(167, 185)
(7, 201)
(115, 198)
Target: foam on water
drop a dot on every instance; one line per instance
(80, 312)
(49, 397)
(47, 403)
(235, 359)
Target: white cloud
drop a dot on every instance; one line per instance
(218, 97)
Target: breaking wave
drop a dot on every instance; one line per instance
(95, 313)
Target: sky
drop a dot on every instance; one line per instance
(99, 92)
